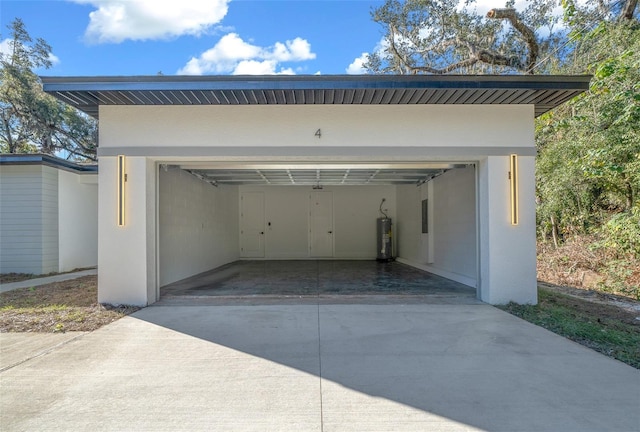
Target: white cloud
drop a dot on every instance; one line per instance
(357, 67)
(255, 67)
(5, 50)
(5, 47)
(54, 59)
(231, 54)
(296, 50)
(265, 67)
(117, 20)
(483, 6)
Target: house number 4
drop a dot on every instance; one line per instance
(318, 133)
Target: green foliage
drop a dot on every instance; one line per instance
(617, 274)
(588, 168)
(621, 243)
(622, 234)
(30, 120)
(589, 149)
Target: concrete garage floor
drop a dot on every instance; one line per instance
(317, 278)
(336, 367)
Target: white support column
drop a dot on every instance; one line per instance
(126, 254)
(507, 252)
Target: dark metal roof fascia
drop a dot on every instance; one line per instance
(320, 82)
(47, 160)
(91, 92)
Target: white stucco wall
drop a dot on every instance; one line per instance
(127, 255)
(370, 126)
(197, 225)
(507, 252)
(78, 220)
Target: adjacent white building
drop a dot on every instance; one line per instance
(48, 214)
(198, 172)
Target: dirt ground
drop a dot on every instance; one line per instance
(599, 304)
(58, 307)
(19, 277)
(577, 263)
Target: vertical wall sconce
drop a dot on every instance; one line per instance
(122, 179)
(513, 182)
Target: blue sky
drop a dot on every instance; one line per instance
(144, 37)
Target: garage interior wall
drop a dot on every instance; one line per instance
(413, 245)
(78, 220)
(452, 226)
(198, 225)
(355, 210)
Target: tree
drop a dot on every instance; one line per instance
(589, 149)
(447, 36)
(31, 120)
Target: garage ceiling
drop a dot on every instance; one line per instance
(321, 175)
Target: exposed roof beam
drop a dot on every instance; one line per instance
(346, 174)
(243, 166)
(263, 177)
(372, 176)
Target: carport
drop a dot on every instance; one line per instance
(200, 172)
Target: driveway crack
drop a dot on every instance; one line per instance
(319, 347)
(41, 353)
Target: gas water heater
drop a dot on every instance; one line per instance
(383, 232)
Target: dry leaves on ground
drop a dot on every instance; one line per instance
(61, 306)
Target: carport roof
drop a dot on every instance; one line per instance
(545, 92)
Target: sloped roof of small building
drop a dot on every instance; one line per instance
(545, 92)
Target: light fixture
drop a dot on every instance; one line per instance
(513, 182)
(122, 179)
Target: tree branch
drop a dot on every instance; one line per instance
(428, 69)
(528, 34)
(7, 128)
(475, 55)
(628, 9)
(403, 61)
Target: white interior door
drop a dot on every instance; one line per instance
(321, 224)
(252, 225)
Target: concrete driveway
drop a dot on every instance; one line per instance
(328, 367)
